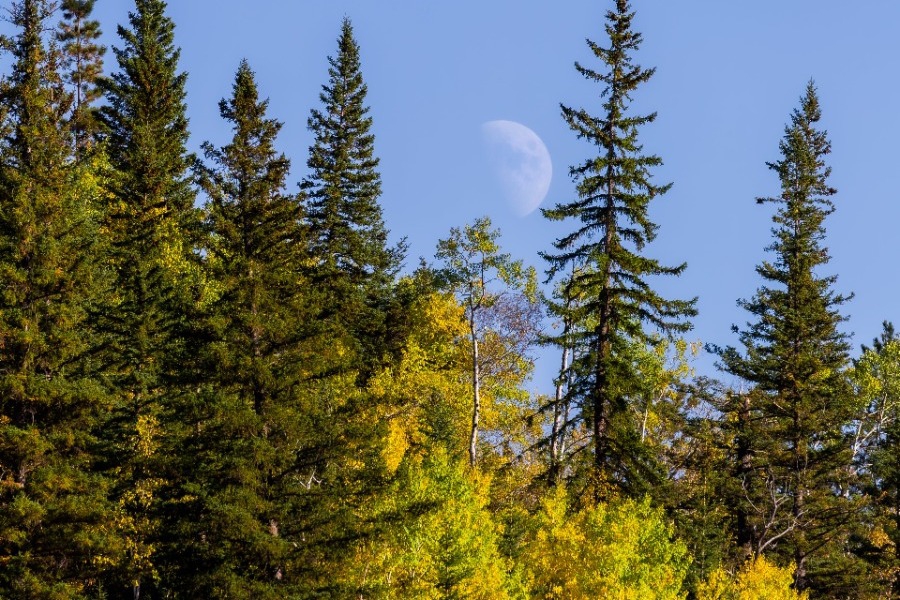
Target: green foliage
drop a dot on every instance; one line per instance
(348, 240)
(245, 402)
(623, 549)
(83, 59)
(152, 226)
(876, 444)
(238, 449)
(56, 537)
(609, 277)
(796, 358)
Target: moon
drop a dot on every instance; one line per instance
(521, 163)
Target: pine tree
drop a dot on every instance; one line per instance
(245, 451)
(54, 538)
(795, 357)
(610, 275)
(152, 223)
(348, 236)
(83, 58)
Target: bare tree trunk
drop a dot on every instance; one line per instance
(559, 416)
(476, 392)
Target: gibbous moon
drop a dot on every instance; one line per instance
(521, 163)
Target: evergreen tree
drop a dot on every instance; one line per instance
(244, 452)
(151, 223)
(348, 236)
(54, 536)
(796, 358)
(610, 275)
(83, 58)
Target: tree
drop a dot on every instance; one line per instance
(473, 267)
(758, 579)
(152, 224)
(795, 357)
(83, 57)
(445, 544)
(348, 236)
(623, 549)
(244, 446)
(614, 191)
(876, 453)
(54, 535)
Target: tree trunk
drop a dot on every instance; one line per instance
(559, 416)
(476, 392)
(744, 461)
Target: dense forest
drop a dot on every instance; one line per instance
(216, 384)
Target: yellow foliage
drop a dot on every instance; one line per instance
(395, 446)
(146, 434)
(623, 551)
(759, 579)
(445, 545)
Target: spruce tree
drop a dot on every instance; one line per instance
(83, 59)
(795, 358)
(151, 223)
(609, 274)
(244, 452)
(54, 535)
(348, 238)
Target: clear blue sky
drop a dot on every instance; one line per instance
(729, 74)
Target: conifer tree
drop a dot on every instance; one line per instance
(151, 222)
(54, 538)
(83, 59)
(795, 357)
(347, 234)
(610, 275)
(244, 454)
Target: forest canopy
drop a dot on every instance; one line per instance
(216, 383)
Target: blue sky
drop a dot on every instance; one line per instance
(728, 76)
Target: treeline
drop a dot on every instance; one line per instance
(214, 385)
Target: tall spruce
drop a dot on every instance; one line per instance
(610, 274)
(151, 223)
(244, 453)
(83, 59)
(54, 535)
(794, 451)
(348, 236)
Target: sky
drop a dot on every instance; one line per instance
(728, 76)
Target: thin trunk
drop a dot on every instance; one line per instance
(744, 461)
(798, 505)
(476, 390)
(559, 418)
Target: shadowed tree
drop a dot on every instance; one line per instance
(151, 223)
